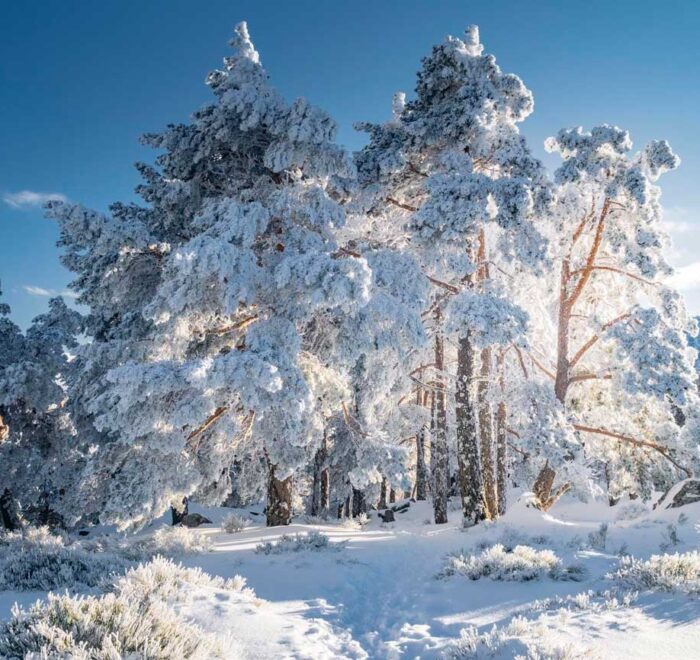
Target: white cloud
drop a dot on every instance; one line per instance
(48, 293)
(25, 199)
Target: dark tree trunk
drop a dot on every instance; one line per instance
(8, 513)
(470, 481)
(325, 489)
(320, 500)
(382, 494)
(279, 499)
(359, 503)
(486, 442)
(439, 456)
(421, 468)
(178, 515)
(392, 496)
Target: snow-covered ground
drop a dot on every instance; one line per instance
(376, 592)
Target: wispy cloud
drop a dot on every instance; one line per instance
(48, 293)
(25, 199)
(679, 220)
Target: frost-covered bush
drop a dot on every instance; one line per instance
(133, 619)
(36, 559)
(590, 601)
(677, 572)
(298, 543)
(520, 564)
(234, 523)
(521, 638)
(166, 541)
(161, 579)
(101, 628)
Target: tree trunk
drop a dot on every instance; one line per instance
(421, 469)
(501, 441)
(486, 443)
(7, 511)
(470, 483)
(382, 494)
(178, 514)
(279, 499)
(325, 489)
(317, 494)
(392, 496)
(439, 456)
(561, 381)
(359, 503)
(543, 488)
(4, 429)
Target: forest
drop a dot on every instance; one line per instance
(433, 327)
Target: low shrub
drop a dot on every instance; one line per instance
(133, 619)
(675, 573)
(520, 564)
(314, 541)
(234, 523)
(521, 638)
(35, 559)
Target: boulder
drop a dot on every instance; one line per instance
(194, 520)
(387, 516)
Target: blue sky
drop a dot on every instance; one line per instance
(80, 80)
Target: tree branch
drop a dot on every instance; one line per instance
(588, 344)
(401, 205)
(634, 441)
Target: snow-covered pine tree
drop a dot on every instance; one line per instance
(453, 176)
(622, 363)
(39, 456)
(201, 299)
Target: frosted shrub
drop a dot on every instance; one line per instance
(167, 541)
(520, 564)
(677, 572)
(234, 523)
(134, 619)
(298, 543)
(161, 579)
(36, 559)
(101, 628)
(521, 638)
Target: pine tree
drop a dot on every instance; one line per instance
(201, 299)
(39, 454)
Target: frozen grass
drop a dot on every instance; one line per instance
(675, 573)
(134, 619)
(234, 523)
(521, 564)
(314, 541)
